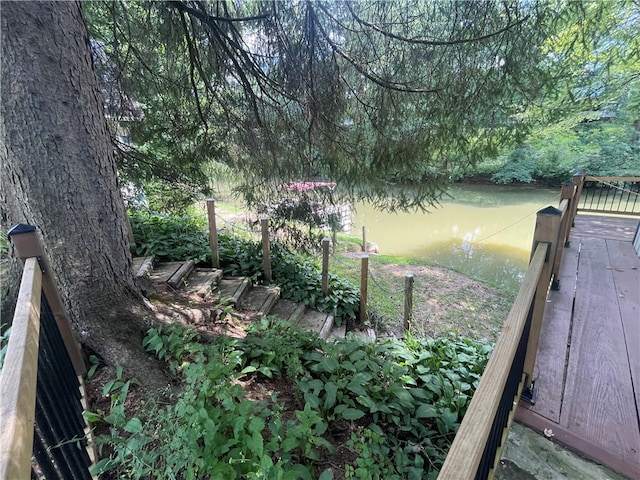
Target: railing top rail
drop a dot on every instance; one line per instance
(468, 446)
(18, 378)
(589, 178)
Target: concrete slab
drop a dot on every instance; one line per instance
(531, 456)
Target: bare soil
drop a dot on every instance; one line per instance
(443, 300)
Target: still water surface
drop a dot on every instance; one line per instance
(484, 231)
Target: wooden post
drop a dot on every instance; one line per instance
(568, 192)
(325, 265)
(27, 244)
(408, 301)
(578, 179)
(566, 203)
(132, 238)
(266, 253)
(547, 231)
(364, 239)
(364, 274)
(213, 233)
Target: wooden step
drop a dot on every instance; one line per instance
(142, 265)
(202, 281)
(177, 280)
(162, 272)
(318, 322)
(261, 298)
(288, 310)
(232, 288)
(366, 335)
(338, 333)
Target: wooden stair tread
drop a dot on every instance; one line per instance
(162, 272)
(232, 288)
(202, 280)
(367, 335)
(286, 310)
(142, 265)
(318, 322)
(240, 292)
(338, 333)
(177, 280)
(261, 299)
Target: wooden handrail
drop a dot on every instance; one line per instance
(567, 199)
(589, 178)
(43, 365)
(578, 179)
(469, 443)
(548, 223)
(18, 378)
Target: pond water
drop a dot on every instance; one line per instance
(483, 231)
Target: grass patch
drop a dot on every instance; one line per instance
(444, 300)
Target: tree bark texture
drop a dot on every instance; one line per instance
(59, 172)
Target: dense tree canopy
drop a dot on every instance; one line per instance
(362, 93)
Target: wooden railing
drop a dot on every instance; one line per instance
(43, 432)
(508, 376)
(618, 195)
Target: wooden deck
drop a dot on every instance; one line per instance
(588, 362)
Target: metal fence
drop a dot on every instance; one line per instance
(44, 434)
(618, 195)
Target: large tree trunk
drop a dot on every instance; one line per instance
(59, 174)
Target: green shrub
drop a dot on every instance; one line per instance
(170, 238)
(519, 167)
(170, 199)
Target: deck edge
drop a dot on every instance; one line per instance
(585, 448)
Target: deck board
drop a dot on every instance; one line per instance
(591, 400)
(598, 396)
(625, 269)
(600, 226)
(554, 338)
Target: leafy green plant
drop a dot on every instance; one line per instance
(170, 238)
(415, 391)
(275, 349)
(240, 257)
(209, 430)
(401, 402)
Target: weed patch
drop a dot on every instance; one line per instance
(388, 409)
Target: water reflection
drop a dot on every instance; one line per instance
(484, 231)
